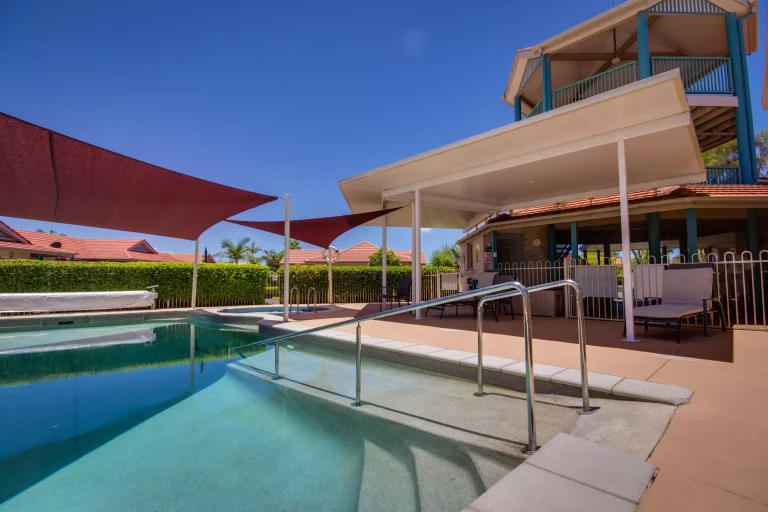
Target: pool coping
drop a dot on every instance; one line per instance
(497, 371)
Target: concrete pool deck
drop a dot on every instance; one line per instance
(713, 456)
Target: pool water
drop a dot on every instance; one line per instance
(149, 424)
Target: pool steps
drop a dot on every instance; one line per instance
(498, 370)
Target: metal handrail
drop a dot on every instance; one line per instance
(290, 299)
(511, 288)
(312, 292)
(527, 334)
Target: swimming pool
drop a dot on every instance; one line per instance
(161, 423)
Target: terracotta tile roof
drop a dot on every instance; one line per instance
(34, 248)
(677, 191)
(185, 257)
(359, 254)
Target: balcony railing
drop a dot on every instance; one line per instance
(723, 175)
(594, 85)
(700, 75)
(537, 109)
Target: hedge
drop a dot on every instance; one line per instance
(217, 284)
(350, 284)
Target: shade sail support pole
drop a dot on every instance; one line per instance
(384, 258)
(286, 259)
(193, 302)
(626, 254)
(416, 256)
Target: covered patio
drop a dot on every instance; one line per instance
(636, 137)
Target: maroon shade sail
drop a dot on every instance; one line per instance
(321, 231)
(51, 177)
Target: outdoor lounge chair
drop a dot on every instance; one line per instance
(492, 307)
(686, 293)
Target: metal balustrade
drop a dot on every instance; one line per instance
(594, 85)
(700, 75)
(723, 175)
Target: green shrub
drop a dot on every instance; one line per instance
(350, 284)
(219, 283)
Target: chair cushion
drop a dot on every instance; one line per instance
(687, 285)
(668, 310)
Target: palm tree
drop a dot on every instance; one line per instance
(295, 244)
(271, 258)
(235, 252)
(253, 251)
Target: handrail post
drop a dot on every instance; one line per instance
(529, 380)
(358, 364)
(479, 391)
(582, 350)
(277, 361)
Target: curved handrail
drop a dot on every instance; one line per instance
(312, 292)
(290, 301)
(527, 334)
(530, 392)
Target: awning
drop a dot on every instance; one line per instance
(321, 231)
(51, 177)
(567, 153)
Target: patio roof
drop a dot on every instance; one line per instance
(321, 231)
(51, 177)
(568, 153)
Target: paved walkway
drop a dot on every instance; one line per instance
(714, 456)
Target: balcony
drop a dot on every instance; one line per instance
(700, 75)
(723, 175)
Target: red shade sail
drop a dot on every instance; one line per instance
(51, 177)
(320, 232)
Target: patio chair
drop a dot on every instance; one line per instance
(402, 293)
(687, 292)
(492, 307)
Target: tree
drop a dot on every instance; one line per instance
(50, 232)
(271, 258)
(392, 260)
(235, 252)
(253, 251)
(295, 244)
(445, 256)
(728, 154)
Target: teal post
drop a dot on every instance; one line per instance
(606, 253)
(742, 128)
(518, 109)
(546, 78)
(752, 244)
(643, 48)
(654, 236)
(494, 249)
(574, 240)
(748, 102)
(551, 243)
(692, 240)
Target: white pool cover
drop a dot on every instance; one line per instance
(74, 301)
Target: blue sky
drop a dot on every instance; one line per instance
(275, 97)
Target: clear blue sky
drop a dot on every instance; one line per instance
(275, 97)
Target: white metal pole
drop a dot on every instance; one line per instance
(330, 274)
(384, 259)
(286, 275)
(193, 303)
(416, 256)
(626, 254)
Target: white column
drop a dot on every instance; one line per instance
(193, 303)
(330, 274)
(286, 274)
(384, 259)
(626, 248)
(416, 256)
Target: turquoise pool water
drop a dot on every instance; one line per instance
(91, 423)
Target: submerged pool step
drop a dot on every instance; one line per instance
(497, 370)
